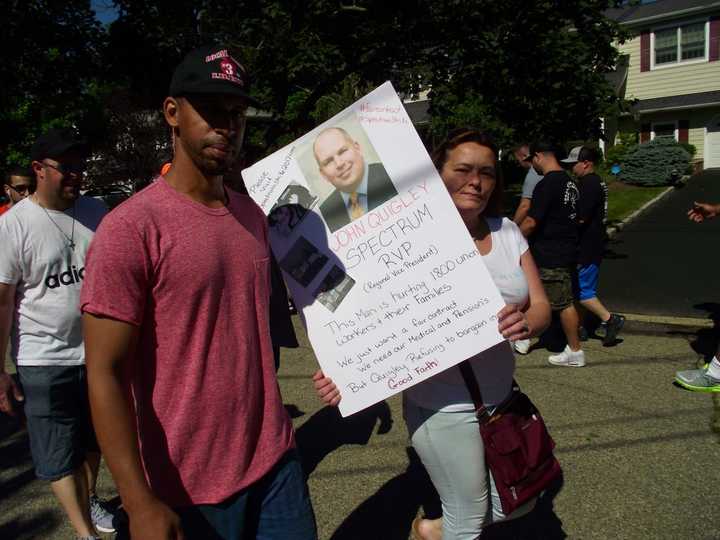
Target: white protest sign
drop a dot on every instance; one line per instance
(389, 282)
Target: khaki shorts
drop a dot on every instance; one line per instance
(558, 283)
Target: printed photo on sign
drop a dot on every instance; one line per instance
(343, 164)
(296, 194)
(303, 262)
(290, 208)
(334, 288)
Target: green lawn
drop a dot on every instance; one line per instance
(624, 199)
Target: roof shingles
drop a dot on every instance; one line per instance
(662, 9)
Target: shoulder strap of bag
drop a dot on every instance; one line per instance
(471, 382)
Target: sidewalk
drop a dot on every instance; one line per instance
(639, 455)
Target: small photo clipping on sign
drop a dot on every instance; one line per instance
(334, 288)
(303, 261)
(290, 209)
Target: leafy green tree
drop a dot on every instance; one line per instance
(522, 70)
(135, 143)
(519, 69)
(50, 54)
(306, 57)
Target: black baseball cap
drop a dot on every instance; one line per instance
(56, 142)
(211, 70)
(545, 146)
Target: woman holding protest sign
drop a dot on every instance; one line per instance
(439, 412)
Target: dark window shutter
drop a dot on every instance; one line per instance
(644, 133)
(714, 39)
(683, 128)
(645, 51)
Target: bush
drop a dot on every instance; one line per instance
(689, 148)
(655, 163)
(616, 153)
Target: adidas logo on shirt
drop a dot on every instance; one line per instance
(69, 277)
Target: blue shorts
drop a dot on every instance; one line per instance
(277, 507)
(588, 276)
(58, 418)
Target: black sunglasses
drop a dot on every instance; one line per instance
(68, 168)
(22, 188)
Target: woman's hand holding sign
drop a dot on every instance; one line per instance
(512, 323)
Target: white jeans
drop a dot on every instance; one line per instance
(450, 447)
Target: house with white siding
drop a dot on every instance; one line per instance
(671, 69)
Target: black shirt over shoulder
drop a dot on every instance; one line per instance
(554, 243)
(592, 213)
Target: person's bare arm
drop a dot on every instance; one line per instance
(513, 322)
(538, 312)
(522, 210)
(109, 344)
(528, 226)
(9, 390)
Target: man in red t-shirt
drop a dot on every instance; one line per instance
(181, 379)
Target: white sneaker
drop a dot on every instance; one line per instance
(522, 346)
(568, 358)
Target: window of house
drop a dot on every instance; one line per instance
(692, 41)
(680, 44)
(664, 131)
(666, 46)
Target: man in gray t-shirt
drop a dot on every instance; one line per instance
(531, 180)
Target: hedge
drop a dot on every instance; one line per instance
(655, 163)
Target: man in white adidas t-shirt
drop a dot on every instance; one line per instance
(43, 243)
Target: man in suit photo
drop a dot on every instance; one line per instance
(359, 186)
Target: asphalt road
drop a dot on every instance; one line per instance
(639, 455)
(664, 264)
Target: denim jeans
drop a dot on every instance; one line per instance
(277, 507)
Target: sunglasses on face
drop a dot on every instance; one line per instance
(20, 188)
(68, 168)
